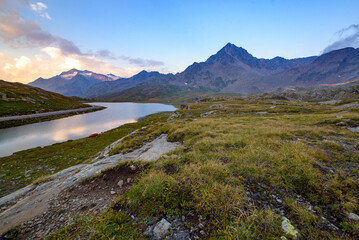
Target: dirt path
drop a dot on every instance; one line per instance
(33, 201)
(47, 113)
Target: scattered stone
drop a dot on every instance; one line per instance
(348, 105)
(341, 124)
(353, 216)
(133, 167)
(181, 235)
(283, 238)
(217, 106)
(161, 229)
(206, 114)
(331, 102)
(272, 107)
(339, 117)
(289, 228)
(148, 231)
(173, 116)
(200, 226)
(261, 113)
(120, 183)
(129, 180)
(202, 232)
(354, 129)
(113, 192)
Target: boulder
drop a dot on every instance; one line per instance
(353, 216)
(161, 229)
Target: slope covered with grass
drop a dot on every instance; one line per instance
(20, 99)
(246, 168)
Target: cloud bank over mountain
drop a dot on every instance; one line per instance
(346, 37)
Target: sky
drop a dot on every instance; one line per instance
(122, 37)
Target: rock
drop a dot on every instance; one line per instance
(272, 107)
(184, 107)
(129, 180)
(331, 102)
(161, 229)
(200, 226)
(354, 129)
(348, 105)
(217, 106)
(206, 114)
(181, 235)
(148, 231)
(341, 124)
(174, 115)
(261, 113)
(202, 232)
(120, 183)
(133, 167)
(339, 117)
(353, 216)
(289, 228)
(283, 238)
(113, 192)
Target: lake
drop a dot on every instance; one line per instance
(46, 133)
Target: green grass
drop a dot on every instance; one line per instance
(230, 152)
(110, 225)
(296, 150)
(23, 99)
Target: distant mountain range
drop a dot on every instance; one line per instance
(73, 82)
(231, 70)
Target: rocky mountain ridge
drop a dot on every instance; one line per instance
(73, 82)
(231, 70)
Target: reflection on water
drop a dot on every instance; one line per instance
(75, 127)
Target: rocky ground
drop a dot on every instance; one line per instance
(88, 198)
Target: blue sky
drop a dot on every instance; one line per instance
(162, 35)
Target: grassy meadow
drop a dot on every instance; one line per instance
(242, 167)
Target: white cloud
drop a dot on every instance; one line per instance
(40, 8)
(51, 61)
(45, 15)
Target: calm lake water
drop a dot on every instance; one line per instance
(75, 127)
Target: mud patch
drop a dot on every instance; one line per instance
(91, 197)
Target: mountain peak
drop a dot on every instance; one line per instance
(230, 52)
(71, 71)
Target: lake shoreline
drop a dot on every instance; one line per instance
(48, 116)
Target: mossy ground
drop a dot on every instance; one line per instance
(245, 166)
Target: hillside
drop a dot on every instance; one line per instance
(118, 85)
(245, 169)
(20, 99)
